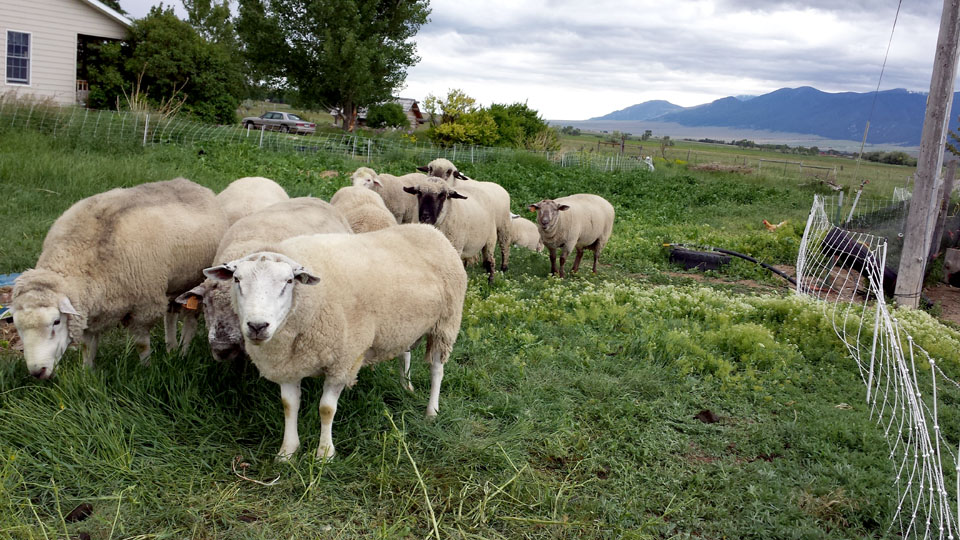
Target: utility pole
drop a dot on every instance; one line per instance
(924, 205)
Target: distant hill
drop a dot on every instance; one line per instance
(897, 119)
(642, 111)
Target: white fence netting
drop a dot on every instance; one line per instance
(146, 129)
(908, 394)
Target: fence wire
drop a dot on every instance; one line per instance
(908, 393)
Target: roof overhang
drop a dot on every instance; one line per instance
(109, 12)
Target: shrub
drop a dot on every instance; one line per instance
(387, 115)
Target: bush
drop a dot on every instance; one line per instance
(387, 115)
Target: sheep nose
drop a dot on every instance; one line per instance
(40, 373)
(257, 328)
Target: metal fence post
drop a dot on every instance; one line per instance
(262, 128)
(146, 127)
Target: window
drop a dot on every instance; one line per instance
(18, 57)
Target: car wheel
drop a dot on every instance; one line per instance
(285, 129)
(249, 125)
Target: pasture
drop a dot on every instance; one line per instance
(569, 407)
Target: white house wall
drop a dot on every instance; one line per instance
(53, 26)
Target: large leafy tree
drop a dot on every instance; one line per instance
(342, 53)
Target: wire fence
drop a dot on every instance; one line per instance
(152, 129)
(909, 395)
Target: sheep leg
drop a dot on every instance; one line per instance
(88, 348)
(436, 377)
(328, 408)
(189, 329)
(488, 261)
(290, 396)
(596, 257)
(563, 261)
(405, 372)
(576, 261)
(170, 329)
(503, 237)
(553, 261)
(141, 338)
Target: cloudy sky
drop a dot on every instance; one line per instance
(575, 59)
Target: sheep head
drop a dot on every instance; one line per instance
(365, 177)
(223, 325)
(262, 291)
(44, 315)
(444, 169)
(432, 198)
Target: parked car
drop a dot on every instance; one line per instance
(279, 121)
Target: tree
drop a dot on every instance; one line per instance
(646, 135)
(212, 20)
(387, 115)
(115, 5)
(445, 111)
(345, 53)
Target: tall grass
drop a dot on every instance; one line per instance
(567, 409)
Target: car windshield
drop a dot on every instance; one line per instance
(294, 117)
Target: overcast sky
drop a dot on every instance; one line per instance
(575, 59)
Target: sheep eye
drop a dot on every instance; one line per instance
(236, 279)
(56, 322)
(289, 281)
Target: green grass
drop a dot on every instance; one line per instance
(567, 409)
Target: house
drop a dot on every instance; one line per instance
(42, 44)
(410, 107)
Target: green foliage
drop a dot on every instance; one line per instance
(458, 120)
(170, 60)
(892, 158)
(387, 115)
(570, 130)
(348, 53)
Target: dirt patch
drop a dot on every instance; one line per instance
(948, 298)
(752, 285)
(720, 167)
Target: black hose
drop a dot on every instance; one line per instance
(740, 255)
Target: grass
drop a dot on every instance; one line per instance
(567, 409)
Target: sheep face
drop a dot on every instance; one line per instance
(365, 177)
(223, 325)
(43, 329)
(432, 199)
(262, 291)
(547, 213)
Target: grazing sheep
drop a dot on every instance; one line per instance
(320, 305)
(390, 189)
(466, 223)
(118, 257)
(526, 233)
(363, 209)
(293, 217)
(490, 194)
(247, 195)
(574, 222)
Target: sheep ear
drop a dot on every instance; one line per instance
(376, 182)
(459, 176)
(423, 169)
(301, 275)
(563, 207)
(534, 207)
(193, 294)
(224, 272)
(455, 195)
(411, 190)
(67, 308)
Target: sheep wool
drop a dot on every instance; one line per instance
(526, 234)
(250, 194)
(575, 222)
(390, 189)
(118, 257)
(363, 209)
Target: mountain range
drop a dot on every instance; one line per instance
(897, 114)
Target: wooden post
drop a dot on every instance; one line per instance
(922, 214)
(945, 191)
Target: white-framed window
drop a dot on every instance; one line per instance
(18, 57)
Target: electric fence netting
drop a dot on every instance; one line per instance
(908, 393)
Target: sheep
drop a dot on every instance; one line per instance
(247, 195)
(319, 304)
(293, 217)
(390, 189)
(116, 257)
(648, 161)
(489, 194)
(363, 209)
(574, 222)
(466, 223)
(526, 234)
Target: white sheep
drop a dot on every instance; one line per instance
(320, 305)
(466, 222)
(649, 163)
(572, 223)
(526, 233)
(293, 217)
(490, 194)
(247, 195)
(118, 257)
(390, 189)
(363, 209)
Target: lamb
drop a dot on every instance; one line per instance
(574, 222)
(489, 194)
(247, 195)
(468, 224)
(320, 305)
(390, 189)
(293, 217)
(363, 209)
(116, 257)
(526, 234)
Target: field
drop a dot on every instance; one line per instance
(570, 408)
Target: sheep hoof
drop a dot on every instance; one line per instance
(408, 387)
(325, 453)
(431, 414)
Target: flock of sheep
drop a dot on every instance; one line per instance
(301, 286)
